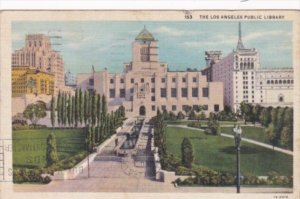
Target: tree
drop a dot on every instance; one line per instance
(122, 111)
(63, 113)
(192, 115)
(51, 152)
(187, 156)
(180, 115)
(246, 111)
(86, 107)
(202, 115)
(280, 119)
(287, 138)
(73, 110)
(104, 105)
(98, 109)
(34, 112)
(265, 117)
(58, 108)
(69, 109)
(53, 107)
(274, 115)
(271, 134)
(89, 138)
(213, 124)
(256, 113)
(81, 106)
(93, 110)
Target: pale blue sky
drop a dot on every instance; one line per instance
(181, 44)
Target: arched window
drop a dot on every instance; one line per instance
(280, 98)
(268, 82)
(276, 81)
(280, 81)
(272, 81)
(284, 81)
(288, 81)
(252, 65)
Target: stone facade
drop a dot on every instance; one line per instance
(146, 84)
(245, 80)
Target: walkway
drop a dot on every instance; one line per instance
(244, 139)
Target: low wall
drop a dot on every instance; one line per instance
(78, 169)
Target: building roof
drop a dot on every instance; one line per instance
(145, 35)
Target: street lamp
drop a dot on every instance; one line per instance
(237, 138)
(88, 155)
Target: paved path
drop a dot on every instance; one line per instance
(260, 144)
(244, 139)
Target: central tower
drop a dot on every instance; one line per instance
(145, 47)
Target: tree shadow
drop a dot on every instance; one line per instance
(244, 150)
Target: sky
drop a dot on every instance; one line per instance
(107, 44)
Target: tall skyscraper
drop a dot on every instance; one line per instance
(39, 54)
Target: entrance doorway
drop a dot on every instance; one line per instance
(142, 111)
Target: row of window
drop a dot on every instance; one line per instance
(163, 92)
(280, 81)
(163, 80)
(186, 107)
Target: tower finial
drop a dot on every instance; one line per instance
(240, 44)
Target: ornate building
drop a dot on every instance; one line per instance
(146, 84)
(245, 80)
(26, 80)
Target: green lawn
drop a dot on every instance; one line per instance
(251, 132)
(29, 146)
(218, 153)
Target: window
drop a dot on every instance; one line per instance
(194, 92)
(153, 80)
(131, 90)
(153, 108)
(163, 92)
(163, 80)
(281, 99)
(91, 82)
(132, 80)
(173, 92)
(205, 107)
(184, 92)
(205, 92)
(183, 79)
(173, 79)
(111, 81)
(163, 107)
(216, 107)
(122, 81)
(152, 98)
(152, 90)
(142, 80)
(194, 79)
(174, 107)
(122, 93)
(112, 93)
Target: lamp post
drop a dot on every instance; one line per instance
(88, 155)
(238, 137)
